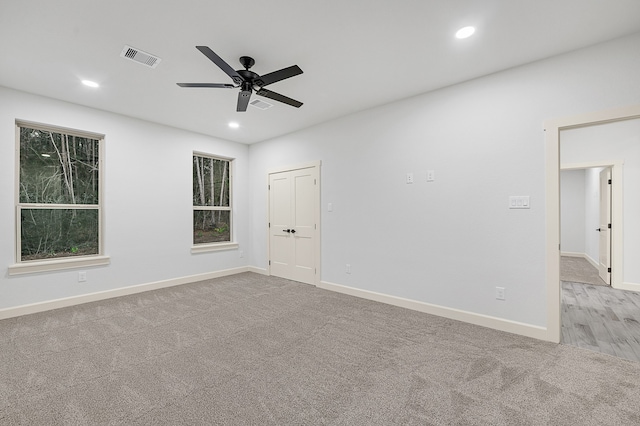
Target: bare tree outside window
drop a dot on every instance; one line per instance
(58, 199)
(211, 200)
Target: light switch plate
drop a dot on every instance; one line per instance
(519, 202)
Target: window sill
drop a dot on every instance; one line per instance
(57, 264)
(204, 248)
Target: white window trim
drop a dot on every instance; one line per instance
(226, 245)
(204, 248)
(21, 267)
(35, 266)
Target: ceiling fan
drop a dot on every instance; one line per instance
(248, 81)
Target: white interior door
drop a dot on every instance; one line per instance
(293, 218)
(604, 262)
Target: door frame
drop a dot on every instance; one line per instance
(616, 213)
(552, 200)
(316, 208)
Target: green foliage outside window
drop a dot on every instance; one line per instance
(212, 210)
(58, 194)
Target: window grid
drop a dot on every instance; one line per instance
(63, 177)
(212, 192)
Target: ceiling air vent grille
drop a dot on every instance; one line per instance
(260, 104)
(139, 56)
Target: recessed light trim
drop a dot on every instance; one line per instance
(90, 83)
(234, 125)
(465, 32)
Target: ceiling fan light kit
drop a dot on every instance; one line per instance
(248, 81)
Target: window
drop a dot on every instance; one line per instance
(212, 217)
(58, 195)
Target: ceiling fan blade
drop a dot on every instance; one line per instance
(237, 78)
(275, 76)
(217, 85)
(278, 97)
(243, 100)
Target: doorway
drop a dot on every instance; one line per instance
(552, 144)
(294, 223)
(585, 224)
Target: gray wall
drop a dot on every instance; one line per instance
(452, 241)
(572, 211)
(580, 212)
(448, 242)
(147, 201)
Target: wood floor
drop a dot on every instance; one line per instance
(602, 319)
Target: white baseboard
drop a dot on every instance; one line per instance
(591, 261)
(585, 256)
(629, 286)
(108, 294)
(571, 254)
(501, 324)
(455, 314)
(255, 269)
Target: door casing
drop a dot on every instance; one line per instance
(552, 200)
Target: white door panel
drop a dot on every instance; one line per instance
(293, 216)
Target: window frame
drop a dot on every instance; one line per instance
(223, 245)
(62, 263)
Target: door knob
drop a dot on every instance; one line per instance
(293, 231)
(598, 229)
(286, 230)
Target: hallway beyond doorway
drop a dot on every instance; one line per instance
(579, 270)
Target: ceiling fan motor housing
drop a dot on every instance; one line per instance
(249, 77)
(248, 81)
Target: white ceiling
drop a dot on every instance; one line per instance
(355, 54)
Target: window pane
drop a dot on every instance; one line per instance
(54, 233)
(57, 168)
(211, 226)
(210, 182)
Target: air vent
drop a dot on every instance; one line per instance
(139, 56)
(261, 104)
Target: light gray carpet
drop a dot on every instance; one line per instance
(254, 350)
(579, 270)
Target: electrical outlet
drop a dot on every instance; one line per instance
(348, 269)
(409, 177)
(431, 175)
(500, 293)
(82, 276)
(241, 253)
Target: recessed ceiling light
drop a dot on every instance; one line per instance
(90, 83)
(234, 125)
(45, 155)
(465, 32)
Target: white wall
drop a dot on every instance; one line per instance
(452, 241)
(147, 201)
(572, 211)
(448, 242)
(614, 141)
